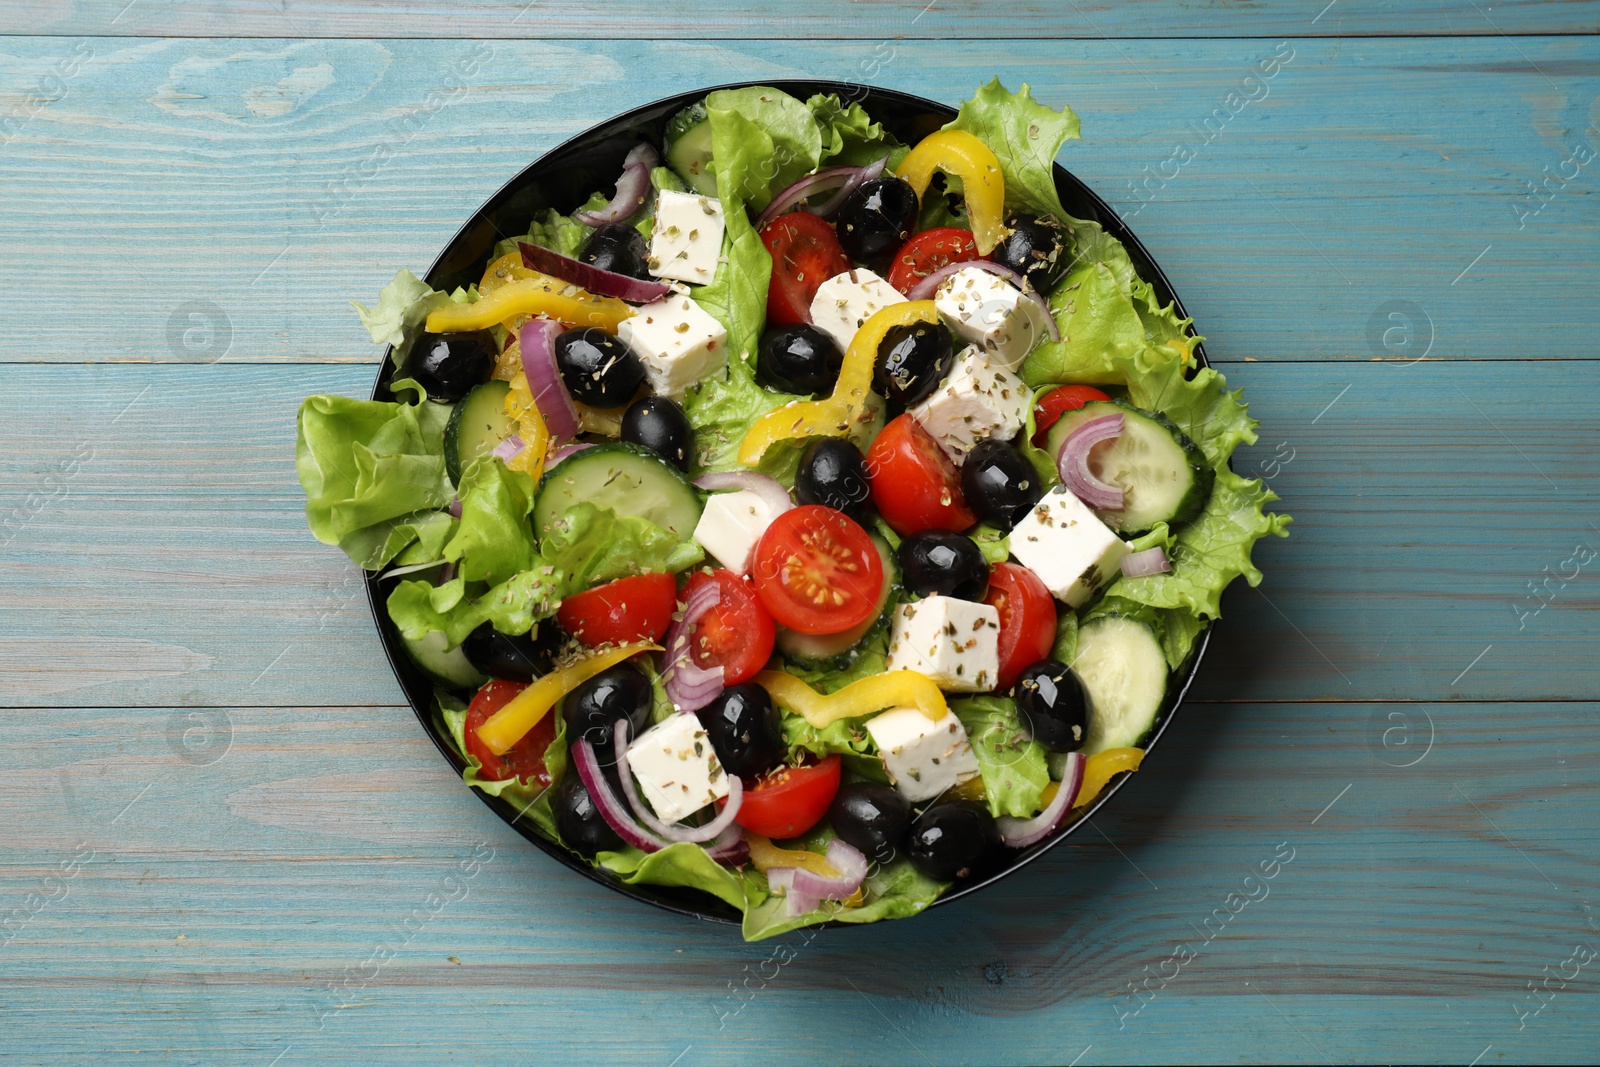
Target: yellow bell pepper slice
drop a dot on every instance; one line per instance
(895, 689)
(1100, 768)
(511, 723)
(832, 416)
(982, 184)
(521, 409)
(509, 268)
(764, 854)
(532, 296)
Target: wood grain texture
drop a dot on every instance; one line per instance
(245, 191)
(891, 19)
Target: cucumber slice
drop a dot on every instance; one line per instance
(477, 425)
(445, 665)
(688, 149)
(837, 651)
(627, 479)
(1163, 475)
(1124, 674)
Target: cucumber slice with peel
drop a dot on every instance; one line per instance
(1124, 675)
(476, 426)
(625, 478)
(688, 149)
(1164, 477)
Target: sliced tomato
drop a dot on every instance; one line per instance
(1056, 403)
(525, 759)
(805, 253)
(619, 612)
(914, 485)
(790, 800)
(929, 251)
(1027, 619)
(817, 571)
(737, 634)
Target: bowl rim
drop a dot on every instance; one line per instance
(415, 685)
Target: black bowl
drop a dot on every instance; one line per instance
(562, 179)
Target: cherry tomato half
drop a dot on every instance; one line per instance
(805, 253)
(1056, 403)
(737, 634)
(790, 800)
(817, 571)
(628, 609)
(525, 759)
(1027, 619)
(914, 485)
(929, 251)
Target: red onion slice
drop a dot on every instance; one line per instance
(765, 486)
(846, 179)
(926, 287)
(571, 448)
(805, 890)
(1020, 833)
(729, 847)
(589, 277)
(537, 340)
(691, 687)
(633, 188)
(674, 831)
(509, 449)
(455, 507)
(1072, 462)
(611, 809)
(1150, 561)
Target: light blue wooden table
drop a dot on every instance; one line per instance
(224, 839)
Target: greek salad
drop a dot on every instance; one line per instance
(811, 520)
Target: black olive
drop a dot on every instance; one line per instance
(951, 840)
(517, 658)
(449, 365)
(656, 423)
(618, 248)
(872, 817)
(1036, 248)
(593, 708)
(999, 483)
(832, 472)
(950, 564)
(597, 368)
(798, 359)
(578, 820)
(912, 360)
(1052, 706)
(745, 730)
(876, 219)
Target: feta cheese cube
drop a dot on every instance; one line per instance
(678, 341)
(731, 524)
(954, 642)
(1071, 550)
(990, 312)
(847, 300)
(923, 756)
(677, 769)
(686, 241)
(975, 402)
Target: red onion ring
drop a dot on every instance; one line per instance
(848, 178)
(691, 687)
(1020, 833)
(1150, 561)
(729, 847)
(455, 507)
(633, 188)
(605, 801)
(571, 448)
(805, 890)
(589, 277)
(765, 486)
(537, 340)
(674, 831)
(1072, 462)
(926, 287)
(509, 449)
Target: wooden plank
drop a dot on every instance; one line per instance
(273, 893)
(241, 192)
(891, 19)
(171, 565)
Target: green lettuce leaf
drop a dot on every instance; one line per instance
(1041, 460)
(681, 864)
(1098, 323)
(455, 609)
(721, 410)
(993, 542)
(895, 890)
(433, 531)
(1025, 136)
(762, 141)
(1012, 764)
(403, 305)
(1065, 649)
(1202, 407)
(849, 136)
(495, 539)
(371, 471)
(552, 230)
(590, 545)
